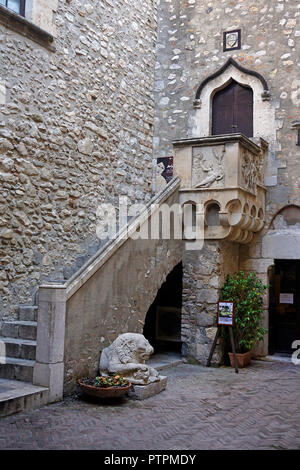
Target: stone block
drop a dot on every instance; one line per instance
(209, 296)
(27, 331)
(50, 376)
(51, 325)
(141, 392)
(282, 245)
(27, 313)
(9, 330)
(206, 319)
(258, 265)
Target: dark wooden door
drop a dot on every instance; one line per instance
(232, 110)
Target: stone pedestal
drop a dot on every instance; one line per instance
(141, 392)
(49, 365)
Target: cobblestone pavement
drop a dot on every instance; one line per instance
(201, 409)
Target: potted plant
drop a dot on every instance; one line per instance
(246, 291)
(104, 387)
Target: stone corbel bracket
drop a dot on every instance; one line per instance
(237, 220)
(221, 177)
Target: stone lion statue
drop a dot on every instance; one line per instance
(126, 356)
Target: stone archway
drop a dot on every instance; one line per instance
(282, 240)
(281, 245)
(163, 320)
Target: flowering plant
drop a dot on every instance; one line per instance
(246, 291)
(105, 382)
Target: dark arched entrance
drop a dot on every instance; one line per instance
(163, 320)
(232, 110)
(284, 306)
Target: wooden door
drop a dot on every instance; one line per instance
(232, 110)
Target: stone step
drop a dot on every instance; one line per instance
(13, 368)
(165, 360)
(28, 312)
(18, 347)
(19, 329)
(16, 396)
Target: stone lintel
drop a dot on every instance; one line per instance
(218, 140)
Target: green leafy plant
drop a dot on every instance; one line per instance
(246, 291)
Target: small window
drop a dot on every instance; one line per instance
(212, 215)
(18, 6)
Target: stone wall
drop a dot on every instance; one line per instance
(204, 272)
(190, 48)
(115, 300)
(75, 131)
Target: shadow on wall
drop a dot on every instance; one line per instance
(163, 320)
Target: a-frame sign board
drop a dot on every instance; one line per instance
(225, 319)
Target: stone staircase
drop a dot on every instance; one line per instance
(18, 351)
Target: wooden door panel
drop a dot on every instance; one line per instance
(232, 110)
(243, 110)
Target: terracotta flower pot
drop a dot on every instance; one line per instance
(105, 392)
(243, 360)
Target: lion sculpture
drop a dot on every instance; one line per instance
(126, 357)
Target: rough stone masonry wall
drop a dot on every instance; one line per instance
(115, 300)
(190, 48)
(204, 273)
(75, 131)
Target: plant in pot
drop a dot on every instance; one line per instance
(104, 387)
(246, 291)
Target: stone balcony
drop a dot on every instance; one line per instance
(222, 179)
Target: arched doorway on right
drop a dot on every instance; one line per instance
(282, 244)
(284, 306)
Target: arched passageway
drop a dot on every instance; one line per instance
(163, 320)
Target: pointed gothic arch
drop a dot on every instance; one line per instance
(232, 62)
(200, 124)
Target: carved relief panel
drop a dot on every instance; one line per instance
(251, 170)
(208, 167)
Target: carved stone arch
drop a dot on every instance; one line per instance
(189, 209)
(263, 109)
(242, 69)
(282, 240)
(289, 214)
(212, 212)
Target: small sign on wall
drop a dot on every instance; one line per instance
(231, 40)
(225, 313)
(286, 298)
(167, 173)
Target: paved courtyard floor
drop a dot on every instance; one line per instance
(214, 408)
